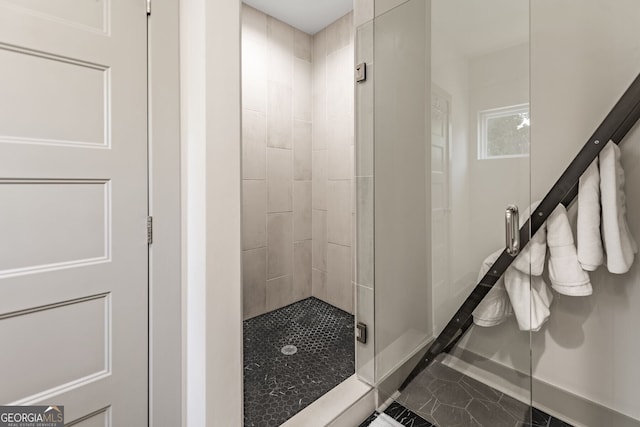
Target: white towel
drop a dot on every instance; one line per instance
(531, 257)
(618, 241)
(566, 275)
(530, 299)
(513, 293)
(495, 307)
(590, 252)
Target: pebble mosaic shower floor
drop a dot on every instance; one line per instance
(279, 385)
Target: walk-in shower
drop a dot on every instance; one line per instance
(379, 156)
(297, 154)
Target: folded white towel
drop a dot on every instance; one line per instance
(618, 241)
(495, 307)
(590, 252)
(566, 275)
(531, 257)
(530, 299)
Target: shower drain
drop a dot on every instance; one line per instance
(289, 350)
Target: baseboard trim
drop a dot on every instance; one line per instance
(557, 402)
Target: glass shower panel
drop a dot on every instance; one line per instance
(402, 296)
(479, 144)
(480, 164)
(451, 152)
(585, 362)
(365, 356)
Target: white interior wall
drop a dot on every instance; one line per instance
(192, 69)
(223, 215)
(210, 139)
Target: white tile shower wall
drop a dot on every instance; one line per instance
(254, 214)
(276, 156)
(332, 163)
(298, 154)
(279, 180)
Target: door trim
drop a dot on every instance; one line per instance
(165, 197)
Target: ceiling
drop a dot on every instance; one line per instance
(475, 26)
(478, 27)
(309, 16)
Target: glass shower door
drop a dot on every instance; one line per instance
(585, 365)
(479, 139)
(450, 139)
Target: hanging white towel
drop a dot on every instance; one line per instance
(529, 296)
(498, 304)
(566, 275)
(495, 307)
(590, 252)
(513, 293)
(530, 299)
(618, 241)
(531, 257)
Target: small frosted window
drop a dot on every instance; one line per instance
(504, 132)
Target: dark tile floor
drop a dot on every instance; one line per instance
(447, 398)
(276, 385)
(408, 418)
(402, 415)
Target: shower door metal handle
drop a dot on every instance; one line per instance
(512, 224)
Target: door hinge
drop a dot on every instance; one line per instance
(361, 333)
(361, 72)
(148, 7)
(149, 230)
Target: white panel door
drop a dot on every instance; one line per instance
(73, 207)
(440, 210)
